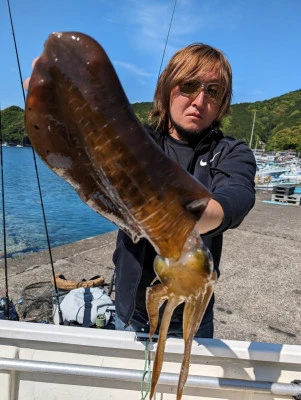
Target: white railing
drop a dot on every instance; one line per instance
(70, 363)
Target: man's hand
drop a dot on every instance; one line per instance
(212, 217)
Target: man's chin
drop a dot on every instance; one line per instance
(188, 133)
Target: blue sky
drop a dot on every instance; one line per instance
(262, 40)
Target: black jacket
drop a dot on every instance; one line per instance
(227, 168)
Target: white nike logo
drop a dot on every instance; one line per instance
(203, 163)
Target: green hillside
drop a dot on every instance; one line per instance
(12, 126)
(277, 124)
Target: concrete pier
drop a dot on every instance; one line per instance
(258, 296)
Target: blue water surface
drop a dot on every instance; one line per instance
(68, 219)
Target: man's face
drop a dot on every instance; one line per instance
(191, 114)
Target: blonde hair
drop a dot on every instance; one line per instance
(186, 64)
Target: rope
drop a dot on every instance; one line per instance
(36, 168)
(147, 371)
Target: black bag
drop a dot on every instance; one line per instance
(12, 313)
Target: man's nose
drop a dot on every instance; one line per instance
(199, 100)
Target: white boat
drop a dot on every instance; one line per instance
(292, 176)
(51, 362)
(269, 184)
(272, 170)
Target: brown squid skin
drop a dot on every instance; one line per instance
(81, 124)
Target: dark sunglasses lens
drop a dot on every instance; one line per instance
(190, 87)
(213, 91)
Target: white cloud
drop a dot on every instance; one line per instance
(147, 27)
(152, 22)
(132, 68)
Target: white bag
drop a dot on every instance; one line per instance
(83, 305)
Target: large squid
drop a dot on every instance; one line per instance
(82, 126)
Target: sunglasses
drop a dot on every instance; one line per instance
(193, 87)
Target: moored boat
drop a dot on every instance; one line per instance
(292, 176)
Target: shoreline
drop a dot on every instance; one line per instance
(258, 295)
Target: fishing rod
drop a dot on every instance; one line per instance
(4, 301)
(37, 173)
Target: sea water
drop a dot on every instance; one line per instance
(23, 229)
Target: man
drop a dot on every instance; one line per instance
(193, 94)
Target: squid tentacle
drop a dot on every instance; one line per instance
(190, 325)
(165, 322)
(155, 297)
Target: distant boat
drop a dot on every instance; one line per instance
(270, 185)
(272, 170)
(19, 145)
(267, 183)
(292, 176)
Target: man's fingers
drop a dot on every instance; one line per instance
(34, 61)
(26, 82)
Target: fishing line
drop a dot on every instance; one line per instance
(36, 170)
(16, 49)
(147, 371)
(6, 309)
(167, 37)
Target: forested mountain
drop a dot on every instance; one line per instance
(12, 126)
(277, 122)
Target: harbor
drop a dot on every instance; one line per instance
(277, 168)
